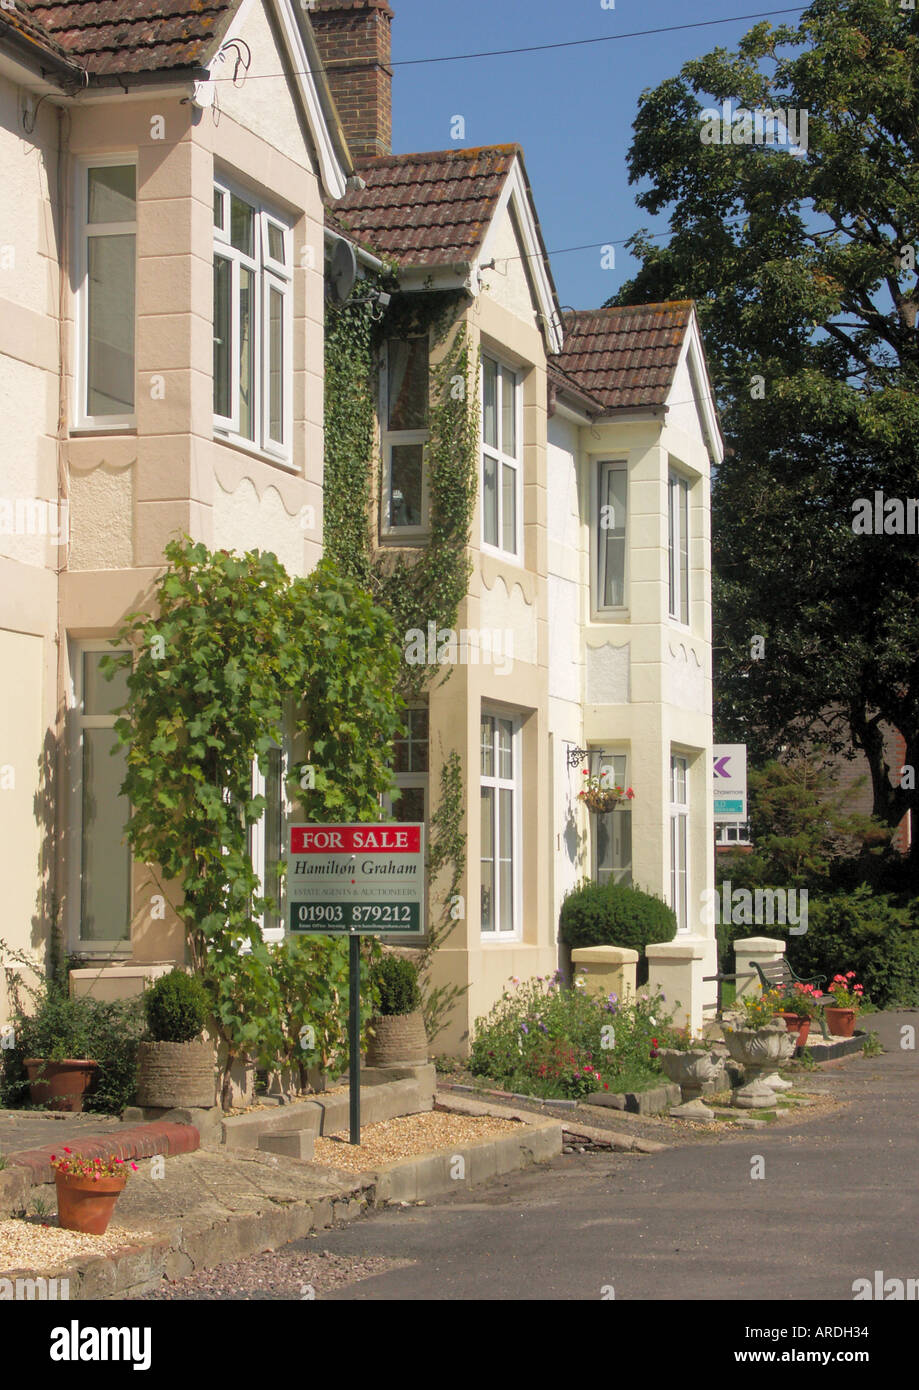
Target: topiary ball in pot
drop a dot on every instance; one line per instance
(397, 1035)
(177, 1069)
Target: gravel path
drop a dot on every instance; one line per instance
(277, 1275)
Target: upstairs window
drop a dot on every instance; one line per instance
(612, 486)
(501, 456)
(108, 216)
(405, 390)
(253, 324)
(678, 519)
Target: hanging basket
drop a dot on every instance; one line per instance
(599, 801)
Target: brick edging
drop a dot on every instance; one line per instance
(141, 1141)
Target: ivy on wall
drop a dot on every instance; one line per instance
(419, 584)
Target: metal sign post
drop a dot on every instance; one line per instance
(354, 1036)
(356, 880)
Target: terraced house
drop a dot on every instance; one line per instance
(179, 173)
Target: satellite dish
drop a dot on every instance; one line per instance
(344, 269)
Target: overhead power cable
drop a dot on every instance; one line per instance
(550, 47)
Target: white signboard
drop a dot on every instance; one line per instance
(729, 773)
(345, 879)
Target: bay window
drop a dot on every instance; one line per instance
(108, 257)
(678, 527)
(405, 436)
(612, 493)
(500, 826)
(679, 841)
(612, 830)
(253, 324)
(501, 456)
(100, 862)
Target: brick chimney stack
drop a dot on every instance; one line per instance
(355, 44)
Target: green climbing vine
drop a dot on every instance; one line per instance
(423, 584)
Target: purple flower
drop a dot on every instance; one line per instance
(524, 1028)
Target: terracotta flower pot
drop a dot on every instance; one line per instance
(85, 1204)
(60, 1085)
(841, 1022)
(797, 1023)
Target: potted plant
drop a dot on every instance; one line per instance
(756, 1034)
(56, 1050)
(397, 1033)
(178, 1067)
(87, 1190)
(798, 1005)
(848, 997)
(599, 796)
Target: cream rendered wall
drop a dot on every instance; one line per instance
(133, 490)
(29, 543)
(664, 705)
(503, 593)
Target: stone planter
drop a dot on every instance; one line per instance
(690, 1070)
(397, 1039)
(60, 1085)
(759, 1050)
(841, 1022)
(171, 1075)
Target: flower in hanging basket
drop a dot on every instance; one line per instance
(600, 796)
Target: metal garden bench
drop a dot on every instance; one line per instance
(778, 974)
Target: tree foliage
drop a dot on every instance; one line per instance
(802, 263)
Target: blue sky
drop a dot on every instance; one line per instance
(571, 109)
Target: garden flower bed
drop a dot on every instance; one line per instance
(552, 1041)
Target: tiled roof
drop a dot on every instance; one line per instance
(427, 209)
(625, 356)
(108, 37)
(561, 380)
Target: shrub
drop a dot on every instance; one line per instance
(60, 1027)
(177, 1007)
(550, 1040)
(865, 932)
(614, 914)
(397, 982)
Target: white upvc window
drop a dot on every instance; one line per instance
(99, 868)
(500, 826)
(411, 770)
(610, 535)
(253, 324)
(679, 841)
(404, 381)
(106, 273)
(502, 455)
(267, 837)
(612, 830)
(678, 527)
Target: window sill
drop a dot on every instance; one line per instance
(241, 446)
(82, 431)
(508, 557)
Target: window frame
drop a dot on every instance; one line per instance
(679, 539)
(679, 827)
(501, 459)
(598, 550)
(391, 438)
(79, 722)
(268, 274)
(257, 841)
(82, 419)
(515, 786)
(599, 759)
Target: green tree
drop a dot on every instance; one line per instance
(802, 263)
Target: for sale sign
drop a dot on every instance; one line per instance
(345, 879)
